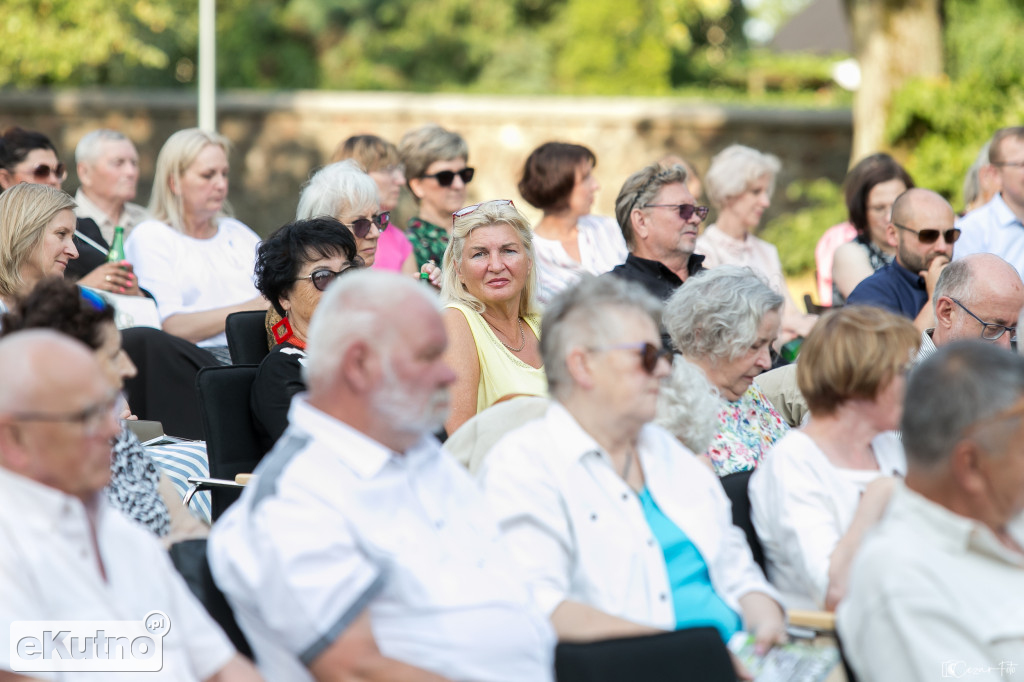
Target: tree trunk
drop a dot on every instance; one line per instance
(894, 41)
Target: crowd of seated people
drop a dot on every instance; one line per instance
(607, 376)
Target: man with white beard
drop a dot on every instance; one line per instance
(361, 550)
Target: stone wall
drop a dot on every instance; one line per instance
(280, 138)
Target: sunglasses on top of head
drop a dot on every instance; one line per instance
(446, 178)
(361, 226)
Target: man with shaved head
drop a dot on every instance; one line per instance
(66, 555)
(921, 229)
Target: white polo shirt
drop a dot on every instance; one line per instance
(49, 571)
(337, 523)
(933, 595)
(580, 530)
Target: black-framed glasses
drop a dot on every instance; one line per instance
(930, 236)
(649, 353)
(91, 418)
(466, 210)
(361, 226)
(686, 211)
(990, 331)
(446, 178)
(323, 277)
(43, 171)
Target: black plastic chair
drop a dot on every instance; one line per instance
(189, 557)
(696, 654)
(736, 488)
(813, 308)
(247, 337)
(232, 446)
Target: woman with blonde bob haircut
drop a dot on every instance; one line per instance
(493, 324)
(194, 259)
(37, 228)
(824, 485)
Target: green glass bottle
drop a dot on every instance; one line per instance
(116, 253)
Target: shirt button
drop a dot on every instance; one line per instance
(662, 596)
(650, 542)
(593, 517)
(625, 497)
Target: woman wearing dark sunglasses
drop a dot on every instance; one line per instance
(558, 178)
(27, 156)
(621, 530)
(294, 266)
(435, 168)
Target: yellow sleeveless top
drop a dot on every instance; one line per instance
(501, 372)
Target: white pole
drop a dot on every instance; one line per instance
(208, 65)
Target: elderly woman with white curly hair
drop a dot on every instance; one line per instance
(620, 529)
(725, 321)
(739, 185)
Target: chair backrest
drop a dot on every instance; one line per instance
(231, 442)
(691, 654)
(247, 337)
(736, 488)
(813, 308)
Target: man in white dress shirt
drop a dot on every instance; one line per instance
(362, 550)
(66, 555)
(938, 589)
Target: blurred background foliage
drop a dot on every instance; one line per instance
(684, 48)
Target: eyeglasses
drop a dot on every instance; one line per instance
(649, 353)
(466, 210)
(91, 418)
(446, 178)
(686, 211)
(990, 331)
(932, 236)
(42, 172)
(322, 278)
(1009, 164)
(361, 227)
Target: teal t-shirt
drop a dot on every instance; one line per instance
(695, 601)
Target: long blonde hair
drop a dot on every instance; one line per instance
(177, 154)
(25, 211)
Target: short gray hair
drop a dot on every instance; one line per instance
(583, 314)
(955, 281)
(959, 386)
(489, 213)
(357, 307)
(717, 312)
(639, 189)
(734, 169)
(423, 146)
(338, 189)
(88, 149)
(688, 406)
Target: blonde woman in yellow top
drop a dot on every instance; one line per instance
(492, 320)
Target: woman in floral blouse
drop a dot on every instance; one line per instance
(437, 174)
(725, 320)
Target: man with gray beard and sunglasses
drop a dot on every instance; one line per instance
(921, 228)
(361, 549)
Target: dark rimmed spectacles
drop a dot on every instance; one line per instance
(686, 211)
(649, 353)
(466, 210)
(91, 418)
(361, 226)
(43, 171)
(931, 236)
(990, 331)
(322, 278)
(445, 178)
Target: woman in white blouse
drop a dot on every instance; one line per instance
(823, 486)
(621, 529)
(195, 260)
(558, 178)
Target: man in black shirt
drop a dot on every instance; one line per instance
(659, 219)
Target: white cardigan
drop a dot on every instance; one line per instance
(580, 530)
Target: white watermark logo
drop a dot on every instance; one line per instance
(958, 669)
(89, 645)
